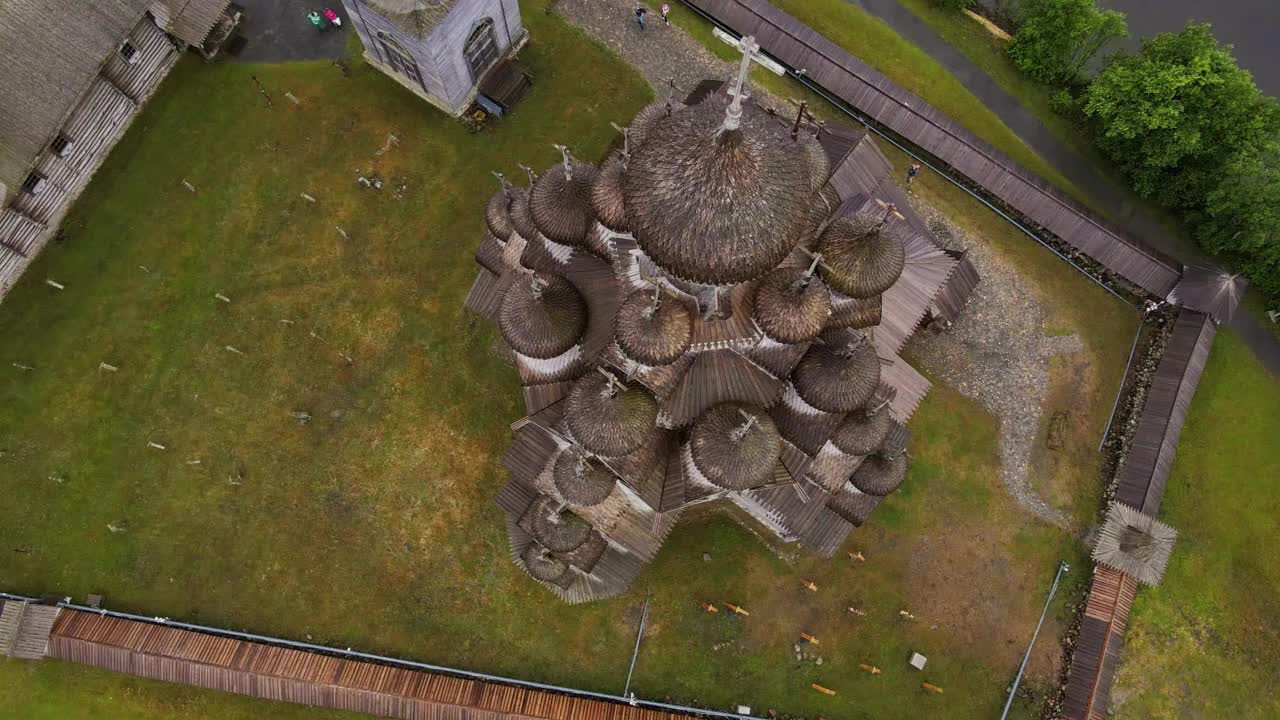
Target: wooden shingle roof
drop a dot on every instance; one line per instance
(191, 20)
(51, 51)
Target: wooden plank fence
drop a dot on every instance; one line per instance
(1150, 456)
(880, 99)
(306, 677)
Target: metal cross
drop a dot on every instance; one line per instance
(567, 160)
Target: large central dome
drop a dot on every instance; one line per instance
(716, 206)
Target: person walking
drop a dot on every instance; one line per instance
(316, 20)
(666, 10)
(912, 172)
(640, 13)
(332, 17)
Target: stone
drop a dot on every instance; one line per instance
(917, 660)
(706, 557)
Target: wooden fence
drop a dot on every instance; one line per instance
(309, 677)
(854, 82)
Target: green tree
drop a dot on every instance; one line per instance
(1241, 216)
(954, 4)
(1174, 114)
(1057, 38)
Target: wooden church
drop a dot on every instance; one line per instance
(711, 315)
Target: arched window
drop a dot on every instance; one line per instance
(481, 49)
(399, 58)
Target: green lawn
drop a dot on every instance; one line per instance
(1206, 642)
(373, 525)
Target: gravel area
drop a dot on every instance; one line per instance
(661, 53)
(998, 354)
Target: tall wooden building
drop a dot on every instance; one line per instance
(709, 316)
(443, 50)
(75, 74)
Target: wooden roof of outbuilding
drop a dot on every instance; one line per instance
(51, 51)
(191, 20)
(1146, 466)
(416, 17)
(1097, 654)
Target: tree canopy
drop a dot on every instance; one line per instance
(1057, 38)
(1172, 115)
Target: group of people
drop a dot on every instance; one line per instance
(642, 11)
(325, 21)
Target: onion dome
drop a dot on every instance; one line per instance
(823, 205)
(542, 315)
(497, 214)
(521, 217)
(544, 566)
(735, 446)
(880, 475)
(560, 202)
(856, 313)
(716, 206)
(581, 480)
(606, 195)
(608, 417)
(862, 431)
(649, 116)
(838, 377)
(489, 254)
(853, 506)
(653, 330)
(792, 306)
(559, 530)
(861, 256)
(819, 163)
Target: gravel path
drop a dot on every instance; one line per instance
(998, 354)
(661, 53)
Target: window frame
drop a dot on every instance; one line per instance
(400, 59)
(481, 44)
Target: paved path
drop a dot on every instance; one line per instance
(1118, 203)
(278, 31)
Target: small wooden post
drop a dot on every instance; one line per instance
(155, 445)
(109, 368)
(736, 609)
(308, 198)
(292, 99)
(234, 350)
(222, 297)
(823, 690)
(858, 611)
(906, 615)
(54, 284)
(709, 607)
(188, 186)
(23, 368)
(342, 232)
(931, 688)
(809, 585)
(857, 556)
(809, 638)
(872, 669)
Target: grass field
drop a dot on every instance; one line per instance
(54, 690)
(373, 526)
(1206, 642)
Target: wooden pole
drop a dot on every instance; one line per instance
(872, 669)
(823, 690)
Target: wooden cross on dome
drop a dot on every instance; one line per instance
(750, 50)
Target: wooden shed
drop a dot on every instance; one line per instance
(444, 50)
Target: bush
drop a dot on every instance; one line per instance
(954, 4)
(1062, 103)
(1057, 38)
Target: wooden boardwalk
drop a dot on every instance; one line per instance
(312, 678)
(853, 81)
